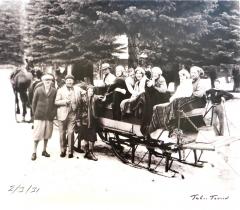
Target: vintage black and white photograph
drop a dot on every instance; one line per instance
(120, 104)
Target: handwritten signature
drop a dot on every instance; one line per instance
(23, 189)
(209, 197)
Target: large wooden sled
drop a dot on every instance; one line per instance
(156, 149)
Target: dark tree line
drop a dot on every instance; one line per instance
(170, 33)
(11, 36)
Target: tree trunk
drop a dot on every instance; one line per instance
(132, 51)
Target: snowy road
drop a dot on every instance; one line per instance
(79, 183)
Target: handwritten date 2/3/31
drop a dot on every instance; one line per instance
(23, 189)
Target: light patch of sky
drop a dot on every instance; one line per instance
(123, 40)
(24, 1)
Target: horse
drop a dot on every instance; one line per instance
(21, 81)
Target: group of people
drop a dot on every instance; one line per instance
(141, 90)
(138, 92)
(123, 92)
(73, 107)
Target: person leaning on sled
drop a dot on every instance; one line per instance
(217, 98)
(117, 92)
(86, 121)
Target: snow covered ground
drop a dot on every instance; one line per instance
(58, 183)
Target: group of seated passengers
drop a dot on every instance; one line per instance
(147, 93)
(136, 89)
(122, 91)
(189, 95)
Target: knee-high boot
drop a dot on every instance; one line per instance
(79, 147)
(89, 151)
(91, 147)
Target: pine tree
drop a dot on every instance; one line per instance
(11, 39)
(156, 27)
(47, 32)
(169, 32)
(64, 32)
(223, 43)
(173, 33)
(88, 42)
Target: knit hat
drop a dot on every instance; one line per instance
(47, 77)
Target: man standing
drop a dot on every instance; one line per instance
(217, 98)
(66, 101)
(44, 112)
(108, 78)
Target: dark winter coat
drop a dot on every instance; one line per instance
(216, 95)
(43, 104)
(86, 111)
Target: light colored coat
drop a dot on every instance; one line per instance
(61, 99)
(109, 79)
(199, 89)
(160, 84)
(185, 89)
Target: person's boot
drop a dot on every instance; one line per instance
(45, 154)
(63, 154)
(86, 155)
(93, 156)
(34, 156)
(91, 147)
(89, 155)
(79, 147)
(87, 151)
